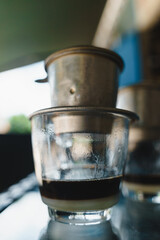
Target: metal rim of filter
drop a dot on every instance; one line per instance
(85, 50)
(84, 119)
(148, 85)
(56, 110)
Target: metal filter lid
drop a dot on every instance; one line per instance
(87, 50)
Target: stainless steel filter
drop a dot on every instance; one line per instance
(83, 76)
(144, 99)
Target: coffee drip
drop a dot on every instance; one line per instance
(80, 143)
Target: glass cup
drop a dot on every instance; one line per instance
(79, 155)
(142, 172)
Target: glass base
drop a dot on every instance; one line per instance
(139, 195)
(80, 218)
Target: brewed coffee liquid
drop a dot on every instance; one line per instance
(146, 184)
(80, 189)
(143, 179)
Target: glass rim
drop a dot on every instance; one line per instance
(78, 109)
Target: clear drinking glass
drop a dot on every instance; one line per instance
(79, 155)
(142, 172)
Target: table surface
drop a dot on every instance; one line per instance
(27, 219)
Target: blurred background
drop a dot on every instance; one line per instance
(32, 30)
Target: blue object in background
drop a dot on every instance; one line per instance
(129, 49)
